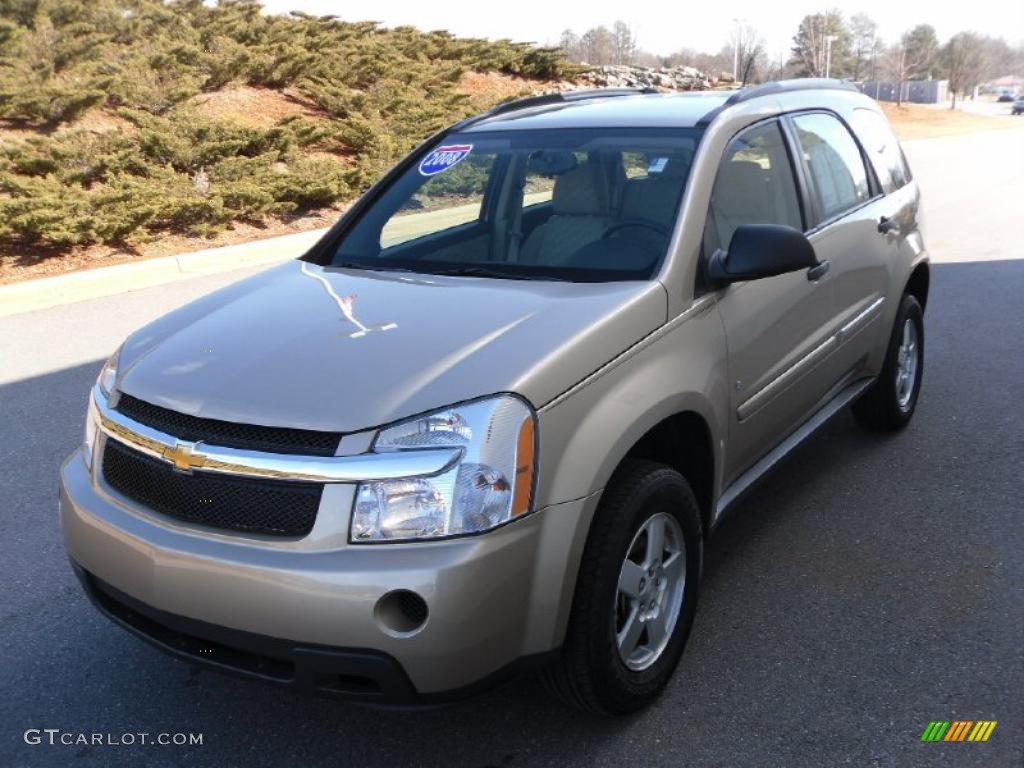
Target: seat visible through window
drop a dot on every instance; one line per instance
(754, 184)
(580, 216)
(655, 197)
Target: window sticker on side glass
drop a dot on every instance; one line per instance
(443, 158)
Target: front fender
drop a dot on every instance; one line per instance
(586, 433)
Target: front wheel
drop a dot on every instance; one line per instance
(890, 402)
(636, 594)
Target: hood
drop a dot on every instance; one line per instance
(345, 350)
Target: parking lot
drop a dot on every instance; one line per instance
(868, 587)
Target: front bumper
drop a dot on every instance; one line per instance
(302, 612)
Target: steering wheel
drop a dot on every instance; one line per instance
(654, 226)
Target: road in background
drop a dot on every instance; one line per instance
(983, 105)
(869, 586)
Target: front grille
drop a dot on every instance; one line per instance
(252, 505)
(308, 442)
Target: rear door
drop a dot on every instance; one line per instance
(855, 232)
(777, 327)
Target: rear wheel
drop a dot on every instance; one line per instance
(636, 593)
(890, 402)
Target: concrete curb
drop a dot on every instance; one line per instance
(105, 281)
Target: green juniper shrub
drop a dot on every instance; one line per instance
(370, 94)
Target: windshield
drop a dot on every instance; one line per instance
(588, 205)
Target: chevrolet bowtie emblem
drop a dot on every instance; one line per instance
(182, 456)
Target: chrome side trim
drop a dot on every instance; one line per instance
(760, 398)
(860, 319)
(744, 482)
(752, 404)
(246, 463)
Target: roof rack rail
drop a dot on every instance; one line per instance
(558, 97)
(788, 86)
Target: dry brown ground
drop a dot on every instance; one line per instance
(251, 106)
(914, 121)
(261, 107)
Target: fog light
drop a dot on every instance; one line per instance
(401, 613)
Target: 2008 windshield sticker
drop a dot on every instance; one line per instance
(443, 158)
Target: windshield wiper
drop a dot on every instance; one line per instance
(367, 266)
(480, 271)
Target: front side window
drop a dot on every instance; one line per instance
(563, 204)
(835, 163)
(754, 184)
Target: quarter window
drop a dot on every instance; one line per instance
(834, 159)
(754, 184)
(881, 145)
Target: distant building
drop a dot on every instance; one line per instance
(1007, 83)
(914, 91)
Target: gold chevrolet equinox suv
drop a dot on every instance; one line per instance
(488, 421)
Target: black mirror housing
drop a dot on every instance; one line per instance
(761, 250)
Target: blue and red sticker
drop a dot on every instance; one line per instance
(443, 158)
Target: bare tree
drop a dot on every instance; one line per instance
(570, 43)
(597, 46)
(746, 43)
(1000, 58)
(894, 66)
(624, 46)
(684, 57)
(912, 58)
(714, 64)
(865, 46)
(964, 60)
(777, 68)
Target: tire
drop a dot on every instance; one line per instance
(887, 406)
(591, 672)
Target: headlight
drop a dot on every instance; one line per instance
(491, 484)
(105, 382)
(108, 374)
(92, 423)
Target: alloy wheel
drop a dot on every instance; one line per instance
(650, 591)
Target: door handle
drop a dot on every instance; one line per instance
(887, 225)
(818, 271)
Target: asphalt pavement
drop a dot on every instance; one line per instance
(870, 586)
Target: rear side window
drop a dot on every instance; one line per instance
(834, 159)
(882, 147)
(754, 184)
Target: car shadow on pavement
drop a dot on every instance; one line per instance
(867, 580)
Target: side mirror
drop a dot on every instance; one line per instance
(764, 250)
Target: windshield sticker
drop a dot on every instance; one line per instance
(657, 165)
(443, 158)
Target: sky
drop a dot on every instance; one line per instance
(666, 27)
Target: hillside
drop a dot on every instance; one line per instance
(136, 128)
(125, 123)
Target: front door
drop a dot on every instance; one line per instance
(777, 328)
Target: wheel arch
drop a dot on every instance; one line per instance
(683, 441)
(918, 283)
